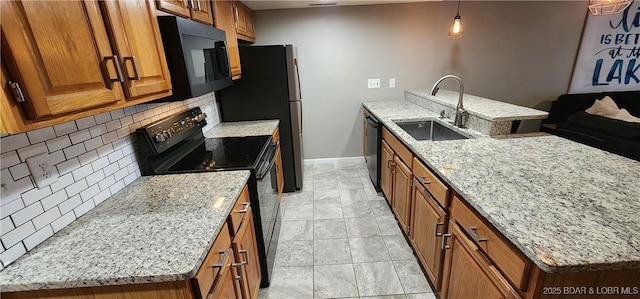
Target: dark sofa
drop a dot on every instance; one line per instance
(570, 121)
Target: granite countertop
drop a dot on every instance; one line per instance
(485, 108)
(158, 228)
(567, 206)
(243, 128)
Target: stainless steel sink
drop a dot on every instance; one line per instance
(429, 130)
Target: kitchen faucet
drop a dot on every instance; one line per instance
(460, 112)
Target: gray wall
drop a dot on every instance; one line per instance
(517, 52)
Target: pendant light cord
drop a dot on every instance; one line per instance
(458, 14)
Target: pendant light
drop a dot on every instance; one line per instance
(456, 29)
(608, 7)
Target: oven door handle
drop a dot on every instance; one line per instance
(264, 172)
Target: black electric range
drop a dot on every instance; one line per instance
(175, 144)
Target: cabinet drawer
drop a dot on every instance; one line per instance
(402, 151)
(239, 210)
(221, 249)
(438, 189)
(508, 259)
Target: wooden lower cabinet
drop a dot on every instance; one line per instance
(468, 274)
(428, 224)
(401, 193)
(386, 160)
(245, 248)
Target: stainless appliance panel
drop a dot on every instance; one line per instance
(295, 108)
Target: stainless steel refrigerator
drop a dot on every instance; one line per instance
(269, 88)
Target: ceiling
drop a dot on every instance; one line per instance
(268, 4)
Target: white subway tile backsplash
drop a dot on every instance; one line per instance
(18, 234)
(95, 156)
(54, 199)
(93, 143)
(83, 208)
(58, 143)
(27, 214)
(35, 195)
(68, 166)
(63, 221)
(98, 130)
(85, 123)
(40, 135)
(19, 171)
(6, 225)
(88, 157)
(12, 254)
(32, 150)
(76, 187)
(82, 172)
(38, 237)
(80, 136)
(14, 142)
(45, 218)
(70, 204)
(65, 128)
(9, 159)
(95, 177)
(74, 150)
(103, 117)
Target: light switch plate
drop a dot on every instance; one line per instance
(392, 83)
(373, 83)
(43, 172)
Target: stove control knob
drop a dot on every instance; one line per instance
(159, 138)
(200, 117)
(167, 134)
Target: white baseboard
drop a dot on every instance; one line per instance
(359, 159)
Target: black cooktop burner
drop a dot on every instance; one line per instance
(223, 153)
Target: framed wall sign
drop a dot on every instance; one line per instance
(609, 55)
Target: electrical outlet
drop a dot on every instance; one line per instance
(373, 83)
(43, 172)
(392, 83)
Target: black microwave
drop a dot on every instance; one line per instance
(197, 57)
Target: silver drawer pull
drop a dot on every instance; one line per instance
(444, 245)
(246, 205)
(238, 267)
(435, 229)
(246, 256)
(471, 230)
(136, 72)
(225, 254)
(422, 180)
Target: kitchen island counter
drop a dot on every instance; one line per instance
(156, 229)
(567, 206)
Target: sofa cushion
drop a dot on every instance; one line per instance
(609, 126)
(605, 107)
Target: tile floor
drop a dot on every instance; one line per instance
(339, 239)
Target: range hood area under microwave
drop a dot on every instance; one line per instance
(197, 57)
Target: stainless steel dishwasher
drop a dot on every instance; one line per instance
(374, 139)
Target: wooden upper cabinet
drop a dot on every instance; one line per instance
(197, 10)
(59, 54)
(224, 18)
(245, 26)
(138, 43)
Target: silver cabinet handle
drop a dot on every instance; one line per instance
(435, 230)
(198, 7)
(247, 205)
(444, 245)
(238, 267)
(471, 230)
(246, 256)
(116, 63)
(422, 180)
(390, 163)
(225, 254)
(136, 72)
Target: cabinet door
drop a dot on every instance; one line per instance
(386, 159)
(227, 285)
(279, 172)
(364, 134)
(467, 273)
(251, 25)
(176, 7)
(402, 193)
(224, 18)
(240, 18)
(59, 53)
(201, 11)
(136, 37)
(246, 253)
(428, 223)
